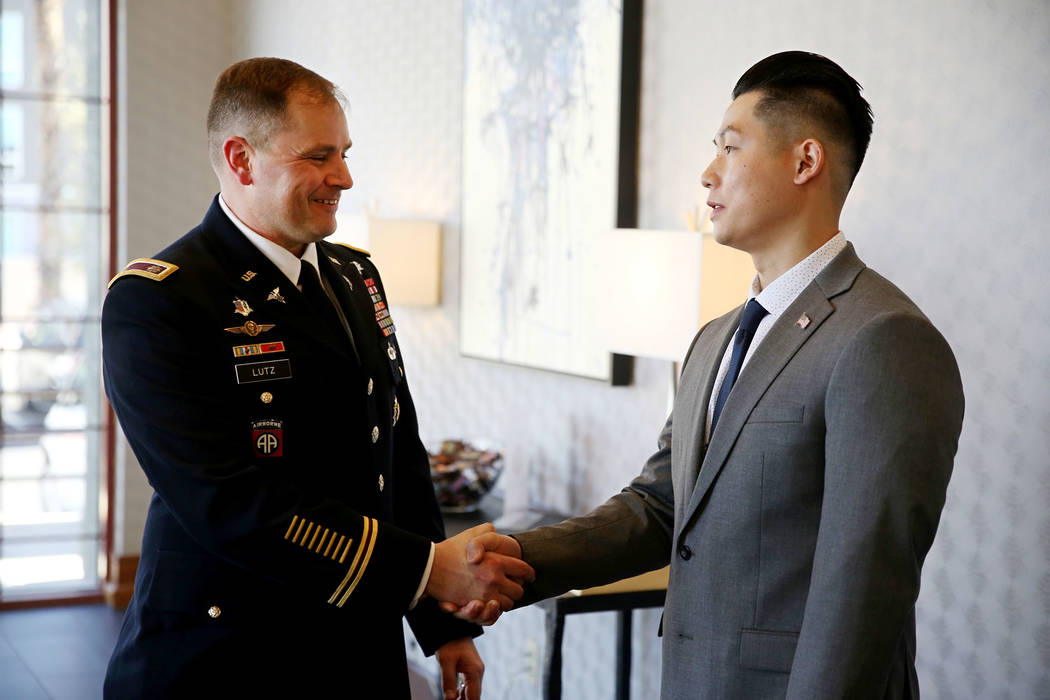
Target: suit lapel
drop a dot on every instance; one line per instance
(784, 339)
(691, 402)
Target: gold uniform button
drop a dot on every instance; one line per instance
(382, 483)
(266, 397)
(371, 385)
(375, 433)
(214, 611)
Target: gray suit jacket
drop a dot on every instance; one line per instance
(797, 536)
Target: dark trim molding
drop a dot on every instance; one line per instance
(630, 123)
(117, 589)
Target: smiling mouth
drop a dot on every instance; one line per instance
(332, 202)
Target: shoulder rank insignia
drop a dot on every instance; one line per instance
(149, 268)
(250, 328)
(362, 251)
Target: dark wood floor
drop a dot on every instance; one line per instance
(56, 653)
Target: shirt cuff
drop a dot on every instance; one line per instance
(425, 580)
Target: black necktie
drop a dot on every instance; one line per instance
(310, 284)
(749, 320)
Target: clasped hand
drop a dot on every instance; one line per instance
(478, 574)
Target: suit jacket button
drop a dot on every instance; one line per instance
(214, 611)
(371, 385)
(382, 483)
(375, 433)
(685, 552)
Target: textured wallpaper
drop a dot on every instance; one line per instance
(950, 205)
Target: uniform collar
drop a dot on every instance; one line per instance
(281, 257)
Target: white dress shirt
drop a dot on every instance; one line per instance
(291, 266)
(775, 299)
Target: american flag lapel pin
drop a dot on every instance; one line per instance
(802, 321)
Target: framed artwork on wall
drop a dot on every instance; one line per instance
(550, 142)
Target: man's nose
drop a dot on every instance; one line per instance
(708, 177)
(341, 177)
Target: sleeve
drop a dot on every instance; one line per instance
(627, 535)
(893, 414)
(187, 438)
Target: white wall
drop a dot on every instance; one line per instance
(949, 205)
(168, 60)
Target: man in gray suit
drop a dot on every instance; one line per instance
(800, 478)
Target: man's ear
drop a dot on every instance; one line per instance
(239, 156)
(810, 160)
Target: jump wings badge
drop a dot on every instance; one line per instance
(250, 328)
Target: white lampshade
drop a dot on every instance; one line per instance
(408, 255)
(659, 287)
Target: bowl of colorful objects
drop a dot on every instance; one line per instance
(463, 472)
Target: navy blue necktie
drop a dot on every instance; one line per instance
(749, 320)
(311, 286)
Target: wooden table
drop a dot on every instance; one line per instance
(646, 590)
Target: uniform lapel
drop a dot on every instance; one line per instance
(770, 358)
(270, 294)
(353, 297)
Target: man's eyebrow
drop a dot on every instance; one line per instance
(328, 148)
(723, 131)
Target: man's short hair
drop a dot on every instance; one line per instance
(251, 97)
(799, 88)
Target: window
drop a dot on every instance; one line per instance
(54, 232)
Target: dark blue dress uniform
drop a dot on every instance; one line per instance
(293, 508)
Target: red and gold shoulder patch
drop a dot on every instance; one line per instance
(149, 268)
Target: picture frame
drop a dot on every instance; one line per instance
(550, 160)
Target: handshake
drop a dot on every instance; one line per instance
(478, 574)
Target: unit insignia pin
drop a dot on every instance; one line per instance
(247, 276)
(348, 282)
(250, 328)
(390, 351)
(241, 307)
(360, 269)
(275, 295)
(802, 321)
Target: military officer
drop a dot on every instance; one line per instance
(256, 372)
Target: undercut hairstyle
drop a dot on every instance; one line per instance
(251, 98)
(801, 90)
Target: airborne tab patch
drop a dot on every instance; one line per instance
(149, 268)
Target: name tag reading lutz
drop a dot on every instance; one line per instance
(263, 371)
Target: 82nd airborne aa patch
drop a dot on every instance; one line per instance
(268, 438)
